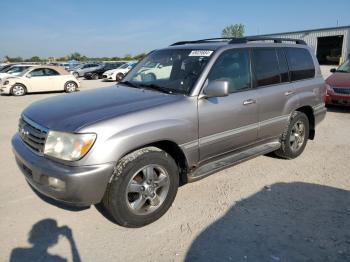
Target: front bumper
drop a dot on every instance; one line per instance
(336, 99)
(5, 89)
(108, 77)
(84, 185)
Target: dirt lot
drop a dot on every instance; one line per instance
(266, 209)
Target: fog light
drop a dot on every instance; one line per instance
(56, 183)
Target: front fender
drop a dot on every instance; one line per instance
(119, 144)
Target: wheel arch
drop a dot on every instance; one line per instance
(174, 151)
(19, 83)
(308, 111)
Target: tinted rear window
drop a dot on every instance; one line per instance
(266, 66)
(282, 61)
(300, 63)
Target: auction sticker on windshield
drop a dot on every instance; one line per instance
(200, 53)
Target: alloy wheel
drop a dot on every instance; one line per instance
(147, 189)
(297, 136)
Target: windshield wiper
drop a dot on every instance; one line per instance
(158, 88)
(128, 83)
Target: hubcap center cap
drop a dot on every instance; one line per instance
(149, 190)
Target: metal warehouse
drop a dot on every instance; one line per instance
(331, 45)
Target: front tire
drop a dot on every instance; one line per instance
(143, 187)
(294, 139)
(18, 90)
(94, 77)
(119, 77)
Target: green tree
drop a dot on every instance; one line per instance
(139, 56)
(236, 30)
(34, 59)
(13, 59)
(76, 56)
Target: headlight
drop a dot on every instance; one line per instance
(329, 89)
(68, 146)
(6, 82)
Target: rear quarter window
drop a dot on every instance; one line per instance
(300, 63)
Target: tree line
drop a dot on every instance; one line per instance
(74, 56)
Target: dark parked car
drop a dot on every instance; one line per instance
(97, 74)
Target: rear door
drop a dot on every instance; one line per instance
(275, 92)
(231, 122)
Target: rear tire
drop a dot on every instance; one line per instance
(294, 139)
(18, 90)
(143, 187)
(70, 87)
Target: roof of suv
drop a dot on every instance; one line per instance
(216, 43)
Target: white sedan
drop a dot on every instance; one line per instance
(39, 79)
(14, 70)
(119, 73)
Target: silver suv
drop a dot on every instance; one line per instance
(183, 113)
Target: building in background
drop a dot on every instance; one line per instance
(331, 45)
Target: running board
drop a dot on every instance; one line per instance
(231, 160)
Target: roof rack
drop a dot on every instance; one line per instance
(217, 39)
(241, 40)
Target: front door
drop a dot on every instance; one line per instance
(42, 79)
(231, 122)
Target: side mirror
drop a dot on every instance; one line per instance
(217, 88)
(333, 70)
(29, 75)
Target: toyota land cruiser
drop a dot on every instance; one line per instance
(219, 102)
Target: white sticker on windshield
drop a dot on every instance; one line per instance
(200, 53)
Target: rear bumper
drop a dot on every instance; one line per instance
(84, 185)
(319, 113)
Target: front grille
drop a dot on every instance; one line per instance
(345, 91)
(32, 134)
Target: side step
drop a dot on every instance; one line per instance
(231, 160)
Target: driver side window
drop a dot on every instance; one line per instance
(37, 72)
(233, 66)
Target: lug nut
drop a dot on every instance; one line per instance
(142, 188)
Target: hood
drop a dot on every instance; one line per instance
(339, 79)
(3, 75)
(70, 112)
(112, 71)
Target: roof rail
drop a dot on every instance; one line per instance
(241, 40)
(217, 39)
(261, 38)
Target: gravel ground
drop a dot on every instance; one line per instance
(266, 209)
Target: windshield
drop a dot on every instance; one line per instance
(344, 68)
(124, 66)
(24, 71)
(172, 70)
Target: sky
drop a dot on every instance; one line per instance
(116, 28)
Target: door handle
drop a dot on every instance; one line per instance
(249, 102)
(289, 93)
